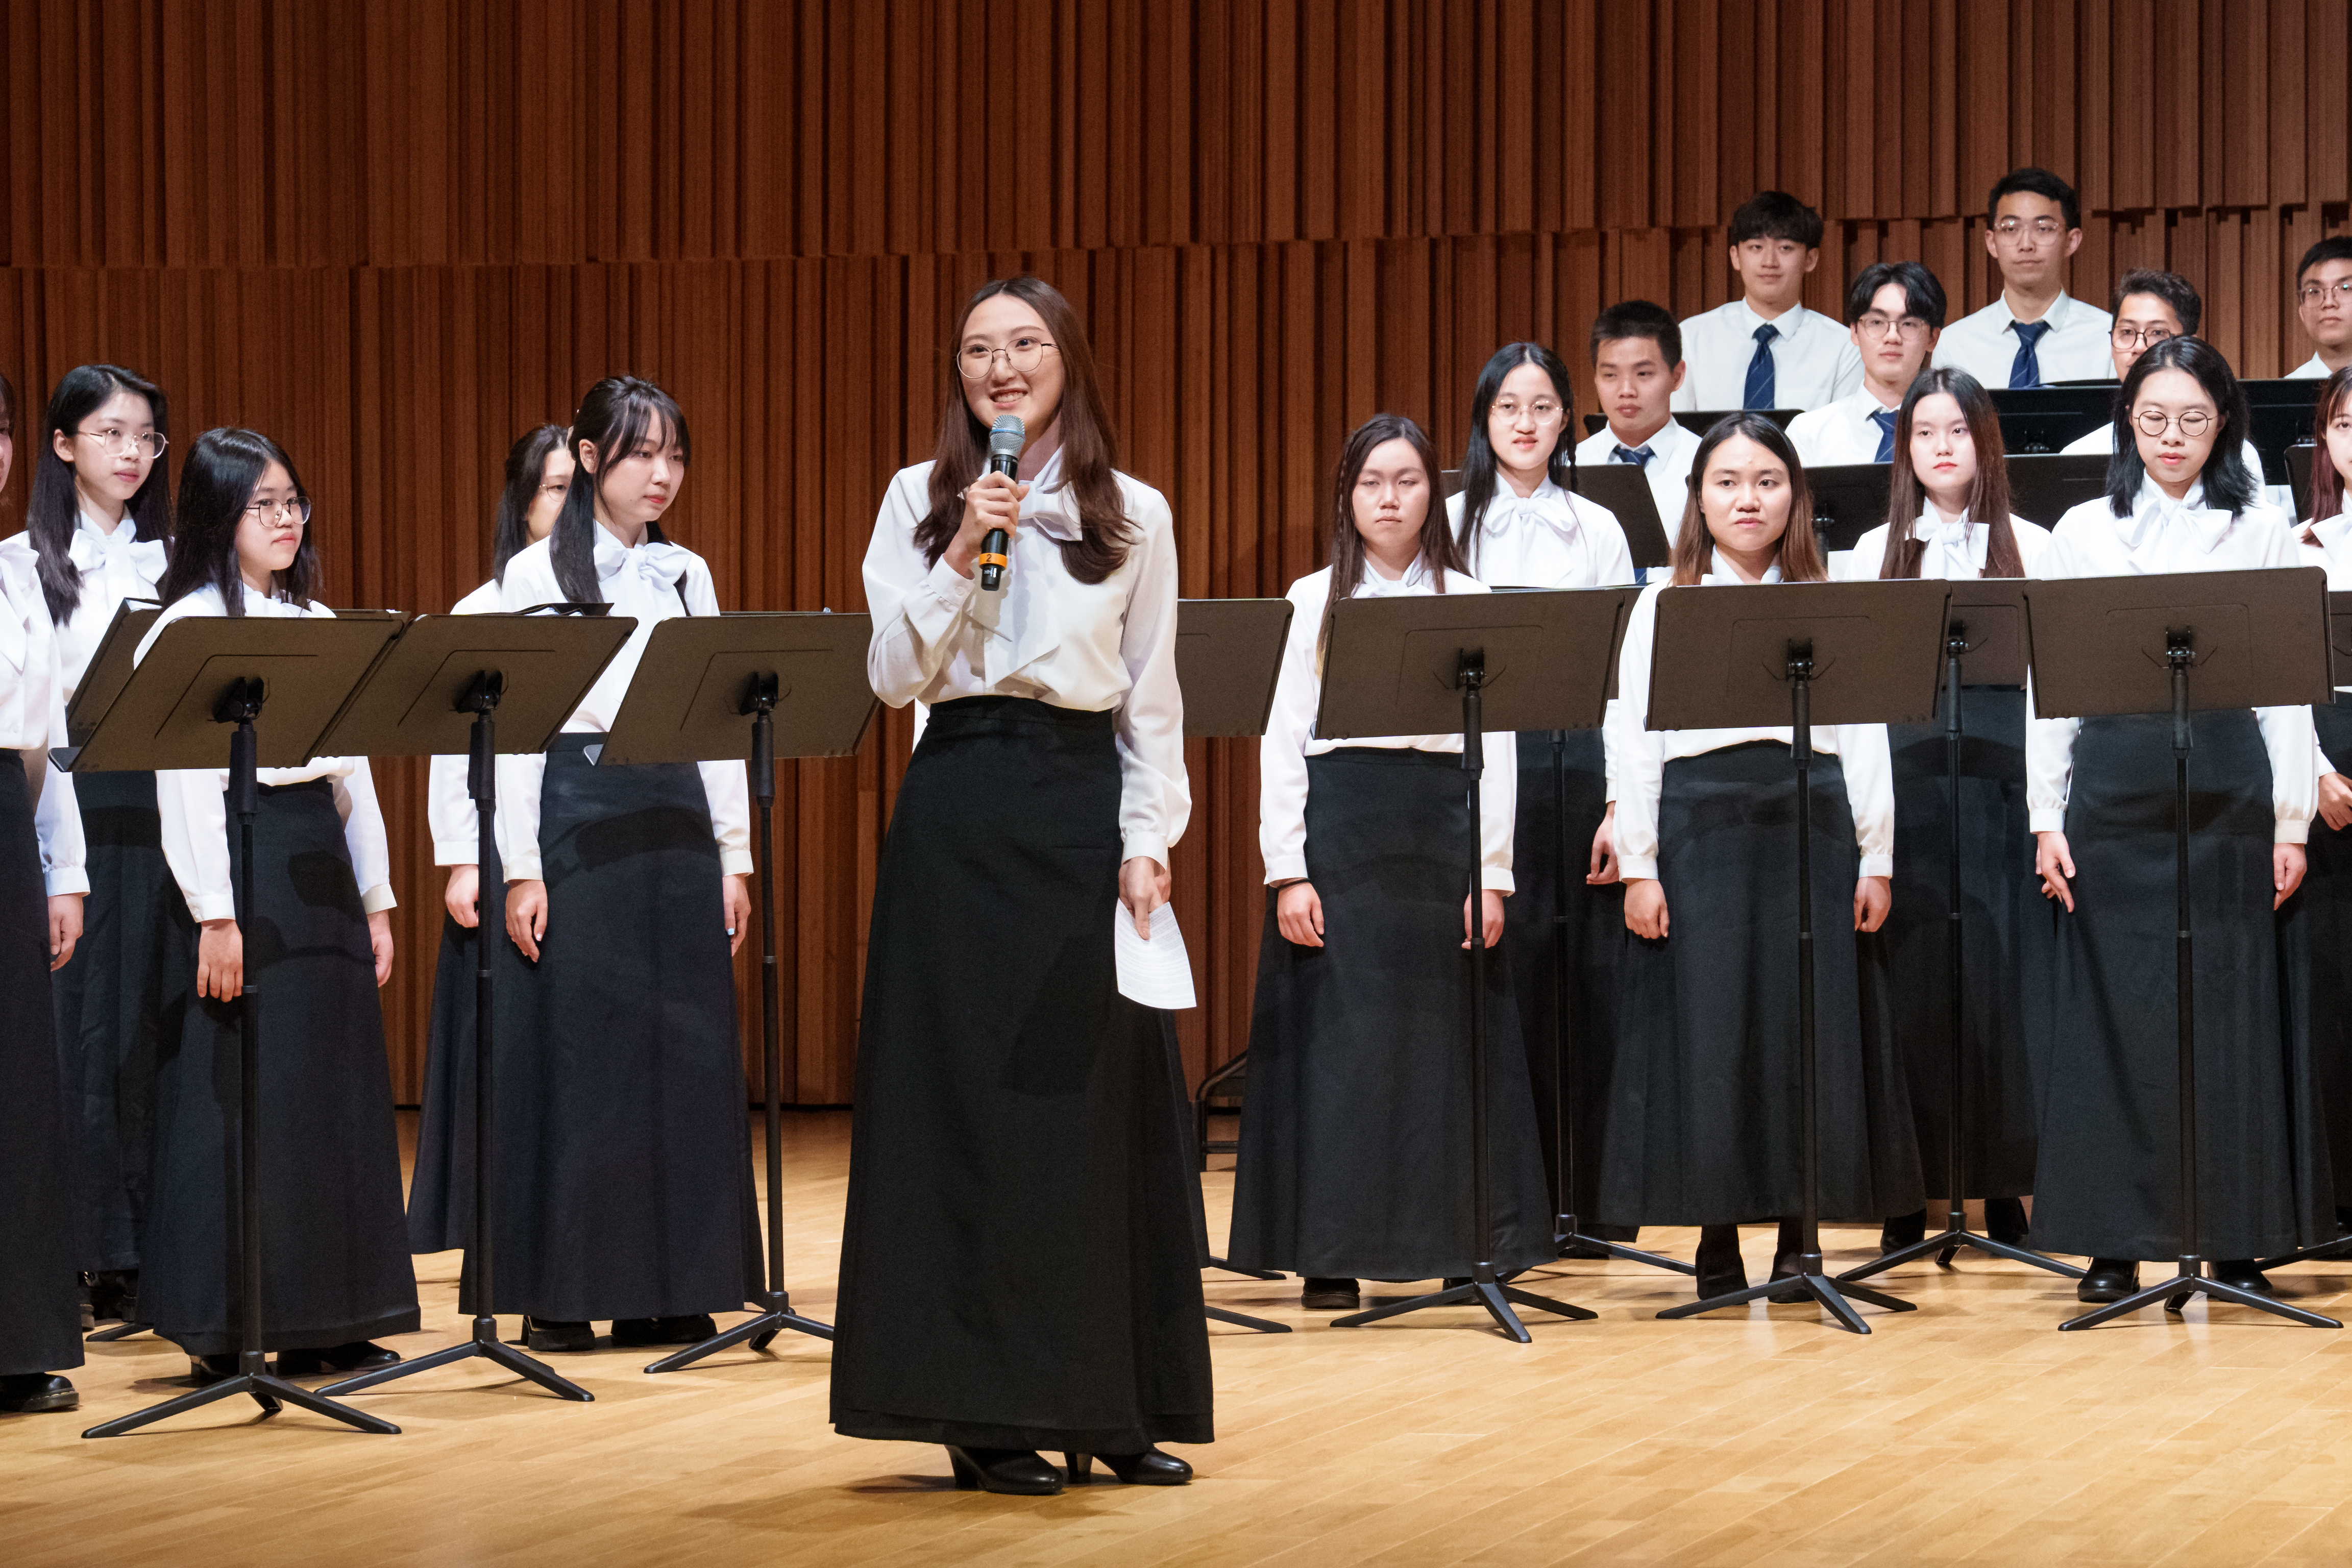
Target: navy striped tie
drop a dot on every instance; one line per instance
(2027, 370)
(1884, 420)
(1760, 389)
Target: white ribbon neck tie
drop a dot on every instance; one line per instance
(660, 566)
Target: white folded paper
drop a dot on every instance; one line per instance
(1155, 973)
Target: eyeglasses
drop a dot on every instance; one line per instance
(116, 443)
(2139, 337)
(977, 360)
(269, 514)
(2313, 293)
(1877, 326)
(2039, 229)
(2153, 422)
(1543, 410)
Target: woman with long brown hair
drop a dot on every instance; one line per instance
(1700, 1127)
(1019, 1268)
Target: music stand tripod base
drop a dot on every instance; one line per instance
(1485, 1290)
(2191, 1280)
(1830, 1293)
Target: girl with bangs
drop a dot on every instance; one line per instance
(2325, 898)
(335, 1252)
(627, 1194)
(1355, 1155)
(1948, 516)
(1702, 1117)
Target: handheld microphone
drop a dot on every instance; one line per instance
(1005, 439)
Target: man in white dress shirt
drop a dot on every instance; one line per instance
(1637, 367)
(1764, 349)
(2035, 333)
(2322, 303)
(1895, 312)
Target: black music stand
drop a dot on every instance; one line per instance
(2044, 485)
(1398, 666)
(2281, 410)
(2125, 645)
(1987, 630)
(1625, 492)
(1849, 500)
(2298, 477)
(2044, 419)
(446, 683)
(202, 673)
(701, 677)
(1741, 657)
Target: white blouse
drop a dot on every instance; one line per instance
(1552, 539)
(654, 582)
(33, 715)
(1290, 738)
(1638, 754)
(2333, 551)
(2163, 535)
(1955, 551)
(196, 813)
(1107, 646)
(448, 804)
(115, 564)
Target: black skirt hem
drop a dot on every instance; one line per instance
(212, 1343)
(882, 1426)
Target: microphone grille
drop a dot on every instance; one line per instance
(1006, 437)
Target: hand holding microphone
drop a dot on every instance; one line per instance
(1005, 439)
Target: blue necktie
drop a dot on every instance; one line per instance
(1638, 456)
(1884, 420)
(1758, 392)
(2027, 370)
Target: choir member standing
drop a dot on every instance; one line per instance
(1701, 1126)
(1948, 516)
(2035, 332)
(1517, 523)
(99, 524)
(2322, 303)
(1355, 1156)
(1637, 368)
(441, 1194)
(42, 883)
(625, 1190)
(1765, 350)
(2100, 795)
(1894, 311)
(334, 1257)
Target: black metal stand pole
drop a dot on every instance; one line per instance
(2191, 1279)
(1484, 1288)
(481, 700)
(240, 706)
(775, 1311)
(1567, 1231)
(1809, 1278)
(1956, 1233)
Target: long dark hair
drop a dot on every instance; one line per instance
(1089, 459)
(1987, 496)
(50, 516)
(216, 483)
(526, 462)
(1479, 464)
(2326, 481)
(1801, 547)
(614, 415)
(1439, 552)
(2227, 484)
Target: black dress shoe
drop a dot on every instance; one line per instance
(361, 1355)
(2242, 1272)
(1902, 1230)
(114, 1295)
(2109, 1280)
(1721, 1269)
(689, 1329)
(2005, 1220)
(557, 1334)
(1785, 1253)
(1329, 1296)
(33, 1393)
(1018, 1472)
(1149, 1469)
(210, 1369)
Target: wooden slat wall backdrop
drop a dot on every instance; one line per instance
(396, 234)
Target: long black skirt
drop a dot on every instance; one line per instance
(623, 1170)
(2000, 911)
(126, 990)
(2108, 1183)
(441, 1189)
(1356, 1155)
(40, 1325)
(1705, 1115)
(334, 1254)
(1018, 1264)
(2325, 903)
(1596, 938)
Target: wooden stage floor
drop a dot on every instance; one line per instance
(1967, 1432)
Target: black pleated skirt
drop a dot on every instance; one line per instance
(2000, 910)
(1704, 1120)
(1019, 1263)
(623, 1168)
(1355, 1141)
(2325, 904)
(2108, 1180)
(126, 990)
(334, 1253)
(40, 1323)
(1596, 937)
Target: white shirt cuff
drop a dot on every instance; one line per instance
(736, 863)
(1288, 868)
(455, 852)
(1877, 866)
(1151, 845)
(1495, 879)
(69, 880)
(2047, 819)
(1636, 868)
(953, 586)
(2291, 830)
(523, 868)
(378, 899)
(223, 908)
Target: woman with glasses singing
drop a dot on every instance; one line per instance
(2100, 798)
(1019, 1266)
(334, 1250)
(98, 528)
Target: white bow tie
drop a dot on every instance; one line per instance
(1053, 512)
(89, 551)
(1503, 512)
(660, 565)
(2208, 525)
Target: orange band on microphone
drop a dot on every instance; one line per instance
(993, 559)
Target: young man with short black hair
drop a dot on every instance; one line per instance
(1895, 312)
(1765, 350)
(2322, 303)
(1637, 368)
(2035, 333)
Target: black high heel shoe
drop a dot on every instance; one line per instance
(1721, 1269)
(1149, 1469)
(1018, 1472)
